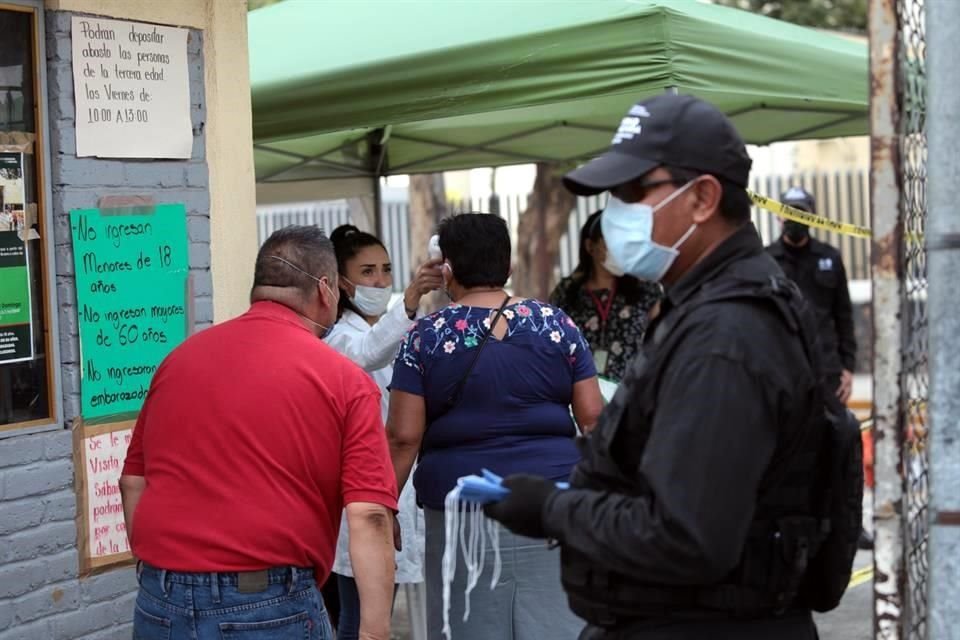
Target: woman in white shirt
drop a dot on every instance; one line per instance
(370, 335)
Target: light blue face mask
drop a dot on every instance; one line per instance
(628, 232)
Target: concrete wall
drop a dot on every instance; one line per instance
(40, 594)
(229, 135)
(78, 183)
(837, 154)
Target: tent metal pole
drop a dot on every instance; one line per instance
(585, 127)
(305, 160)
(377, 208)
(377, 157)
(480, 146)
(763, 106)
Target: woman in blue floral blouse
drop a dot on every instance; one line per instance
(512, 416)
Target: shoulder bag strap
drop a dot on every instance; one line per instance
(454, 398)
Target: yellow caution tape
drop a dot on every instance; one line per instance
(809, 219)
(860, 576)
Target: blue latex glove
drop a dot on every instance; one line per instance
(487, 488)
(480, 490)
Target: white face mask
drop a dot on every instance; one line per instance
(370, 301)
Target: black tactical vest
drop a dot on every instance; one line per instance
(784, 531)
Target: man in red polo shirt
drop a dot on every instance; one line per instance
(253, 437)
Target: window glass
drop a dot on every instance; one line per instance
(25, 396)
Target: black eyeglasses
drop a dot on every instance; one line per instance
(656, 183)
(643, 189)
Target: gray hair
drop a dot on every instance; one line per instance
(306, 248)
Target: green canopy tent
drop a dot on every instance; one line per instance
(365, 88)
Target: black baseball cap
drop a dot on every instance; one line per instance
(679, 131)
(799, 198)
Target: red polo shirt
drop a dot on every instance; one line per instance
(253, 437)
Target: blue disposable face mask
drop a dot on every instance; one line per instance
(611, 265)
(628, 231)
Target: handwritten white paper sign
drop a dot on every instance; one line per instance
(132, 89)
(106, 533)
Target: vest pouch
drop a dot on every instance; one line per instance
(760, 567)
(797, 544)
(590, 594)
(774, 561)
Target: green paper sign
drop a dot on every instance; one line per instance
(131, 277)
(16, 330)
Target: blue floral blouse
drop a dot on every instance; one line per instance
(513, 415)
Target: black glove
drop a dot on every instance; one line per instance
(522, 510)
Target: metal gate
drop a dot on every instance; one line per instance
(901, 356)
(915, 381)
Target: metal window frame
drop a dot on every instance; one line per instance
(51, 307)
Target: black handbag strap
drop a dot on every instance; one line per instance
(454, 398)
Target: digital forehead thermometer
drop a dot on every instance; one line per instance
(433, 248)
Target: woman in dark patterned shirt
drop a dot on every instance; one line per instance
(611, 309)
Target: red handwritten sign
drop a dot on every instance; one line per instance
(106, 530)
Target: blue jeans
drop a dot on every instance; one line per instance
(279, 604)
(348, 627)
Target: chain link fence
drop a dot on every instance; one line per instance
(915, 370)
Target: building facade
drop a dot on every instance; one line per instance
(43, 179)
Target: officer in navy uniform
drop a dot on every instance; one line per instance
(694, 495)
(818, 270)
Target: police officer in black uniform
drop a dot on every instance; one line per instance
(818, 270)
(679, 523)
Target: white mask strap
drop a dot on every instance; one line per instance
(667, 201)
(452, 524)
(313, 322)
(684, 237)
(673, 195)
(472, 544)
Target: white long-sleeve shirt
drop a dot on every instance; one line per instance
(374, 348)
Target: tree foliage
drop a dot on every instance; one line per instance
(843, 15)
(539, 231)
(428, 205)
